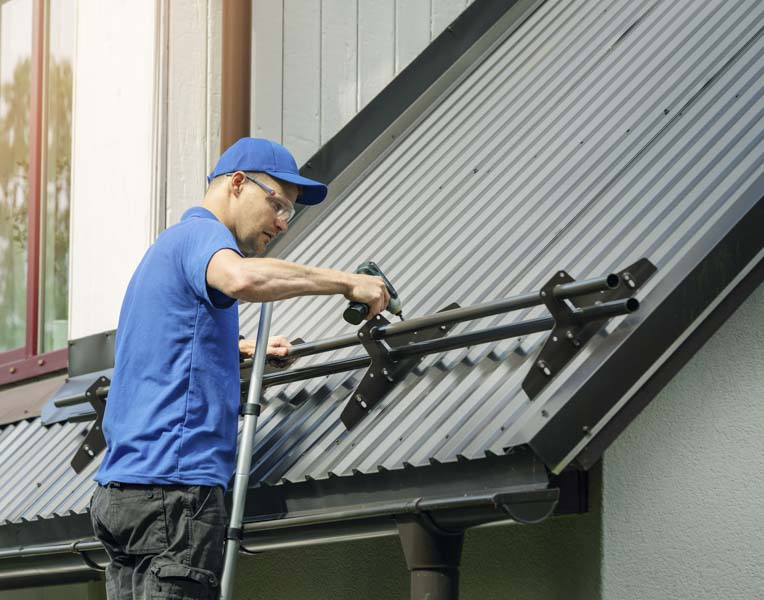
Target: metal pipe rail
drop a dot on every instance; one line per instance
(446, 317)
(459, 315)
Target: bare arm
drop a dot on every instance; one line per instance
(269, 279)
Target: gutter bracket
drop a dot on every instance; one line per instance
(94, 441)
(569, 335)
(384, 373)
(91, 564)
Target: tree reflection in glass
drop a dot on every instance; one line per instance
(15, 53)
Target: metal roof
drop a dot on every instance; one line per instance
(35, 475)
(588, 139)
(592, 136)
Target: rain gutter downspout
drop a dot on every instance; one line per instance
(236, 87)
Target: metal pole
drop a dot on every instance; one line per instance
(338, 366)
(244, 458)
(458, 315)
(473, 338)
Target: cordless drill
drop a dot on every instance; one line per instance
(356, 312)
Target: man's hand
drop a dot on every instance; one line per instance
(369, 290)
(276, 354)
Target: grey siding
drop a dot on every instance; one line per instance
(318, 62)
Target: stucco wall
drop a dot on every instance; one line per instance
(94, 590)
(683, 496)
(555, 560)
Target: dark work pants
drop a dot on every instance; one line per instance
(164, 541)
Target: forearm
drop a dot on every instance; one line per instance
(269, 279)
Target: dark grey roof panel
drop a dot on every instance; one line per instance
(35, 473)
(590, 138)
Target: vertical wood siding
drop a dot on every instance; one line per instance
(193, 112)
(318, 62)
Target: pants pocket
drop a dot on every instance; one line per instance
(137, 520)
(171, 581)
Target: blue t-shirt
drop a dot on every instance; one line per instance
(172, 410)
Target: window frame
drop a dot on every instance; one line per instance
(23, 363)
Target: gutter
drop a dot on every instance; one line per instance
(84, 559)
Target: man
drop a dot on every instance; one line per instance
(172, 411)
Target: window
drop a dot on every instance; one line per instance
(36, 50)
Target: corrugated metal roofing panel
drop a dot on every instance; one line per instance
(35, 475)
(593, 136)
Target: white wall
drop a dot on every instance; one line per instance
(683, 496)
(112, 157)
(318, 62)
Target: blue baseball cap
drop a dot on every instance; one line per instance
(264, 156)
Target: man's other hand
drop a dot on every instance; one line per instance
(370, 290)
(276, 354)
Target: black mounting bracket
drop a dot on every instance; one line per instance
(570, 334)
(94, 441)
(384, 373)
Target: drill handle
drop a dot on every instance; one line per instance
(356, 312)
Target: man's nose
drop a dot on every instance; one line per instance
(282, 225)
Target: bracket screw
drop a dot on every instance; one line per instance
(544, 368)
(573, 339)
(361, 401)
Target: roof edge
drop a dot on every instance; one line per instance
(593, 451)
(651, 349)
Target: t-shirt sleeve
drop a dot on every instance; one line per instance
(202, 242)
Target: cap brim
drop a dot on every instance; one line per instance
(313, 192)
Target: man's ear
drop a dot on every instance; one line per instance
(237, 181)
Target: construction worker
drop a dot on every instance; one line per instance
(172, 410)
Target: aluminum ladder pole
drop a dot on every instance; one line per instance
(244, 459)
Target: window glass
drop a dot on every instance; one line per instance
(57, 176)
(15, 63)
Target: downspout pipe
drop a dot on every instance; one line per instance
(432, 557)
(236, 85)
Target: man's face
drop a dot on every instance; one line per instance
(257, 212)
